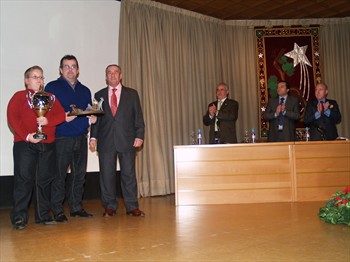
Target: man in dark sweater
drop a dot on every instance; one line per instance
(71, 141)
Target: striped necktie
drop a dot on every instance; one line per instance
(217, 112)
(280, 124)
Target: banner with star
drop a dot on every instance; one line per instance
(290, 54)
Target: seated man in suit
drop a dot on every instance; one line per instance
(322, 115)
(221, 116)
(282, 112)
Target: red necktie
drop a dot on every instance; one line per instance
(322, 109)
(114, 102)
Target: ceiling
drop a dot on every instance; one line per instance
(264, 9)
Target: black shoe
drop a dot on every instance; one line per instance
(48, 221)
(61, 217)
(81, 213)
(19, 224)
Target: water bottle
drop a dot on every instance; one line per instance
(252, 135)
(307, 134)
(246, 137)
(199, 137)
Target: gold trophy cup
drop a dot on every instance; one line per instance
(41, 102)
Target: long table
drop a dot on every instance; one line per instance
(260, 172)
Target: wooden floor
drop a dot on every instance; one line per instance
(237, 232)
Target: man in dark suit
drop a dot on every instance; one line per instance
(282, 112)
(118, 133)
(322, 115)
(221, 116)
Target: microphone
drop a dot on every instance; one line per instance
(217, 135)
(322, 132)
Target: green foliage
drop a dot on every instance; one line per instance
(273, 79)
(337, 210)
(272, 85)
(286, 66)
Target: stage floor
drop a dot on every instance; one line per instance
(236, 232)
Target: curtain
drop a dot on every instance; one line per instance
(175, 58)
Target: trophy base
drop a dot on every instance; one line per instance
(40, 136)
(87, 113)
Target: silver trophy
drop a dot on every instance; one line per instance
(41, 102)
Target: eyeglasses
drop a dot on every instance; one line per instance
(70, 67)
(37, 77)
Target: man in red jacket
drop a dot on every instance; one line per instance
(33, 157)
